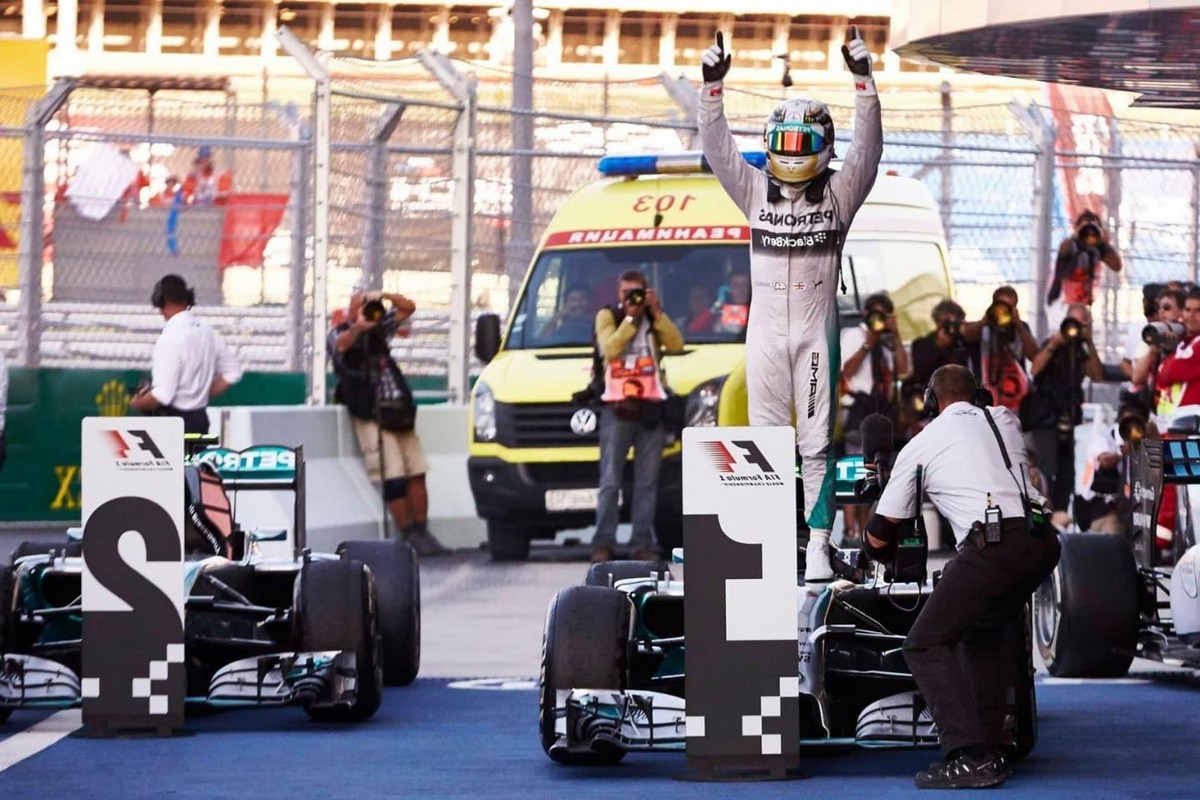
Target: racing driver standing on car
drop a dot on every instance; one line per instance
(799, 211)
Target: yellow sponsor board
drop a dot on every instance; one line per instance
(22, 81)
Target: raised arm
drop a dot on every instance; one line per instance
(737, 177)
(854, 180)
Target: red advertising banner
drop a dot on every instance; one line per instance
(1082, 119)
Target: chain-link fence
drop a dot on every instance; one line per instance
(415, 139)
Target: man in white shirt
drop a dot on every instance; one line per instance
(955, 647)
(191, 362)
(3, 406)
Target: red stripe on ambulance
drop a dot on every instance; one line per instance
(699, 233)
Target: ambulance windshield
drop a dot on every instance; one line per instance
(705, 289)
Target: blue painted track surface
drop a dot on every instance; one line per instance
(1098, 740)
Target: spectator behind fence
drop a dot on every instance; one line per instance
(1055, 405)
(383, 411)
(945, 345)
(1002, 343)
(204, 186)
(166, 197)
(191, 362)
(1075, 268)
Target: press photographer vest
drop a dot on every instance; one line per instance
(635, 374)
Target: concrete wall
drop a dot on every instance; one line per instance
(342, 502)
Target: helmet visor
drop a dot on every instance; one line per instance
(795, 139)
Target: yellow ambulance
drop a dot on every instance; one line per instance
(534, 456)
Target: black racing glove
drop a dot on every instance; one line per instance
(714, 64)
(858, 57)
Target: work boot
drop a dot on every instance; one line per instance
(963, 772)
(602, 553)
(423, 542)
(816, 557)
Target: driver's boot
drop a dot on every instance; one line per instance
(816, 557)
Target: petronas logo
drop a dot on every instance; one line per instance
(113, 400)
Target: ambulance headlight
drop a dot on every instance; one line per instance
(484, 412)
(701, 410)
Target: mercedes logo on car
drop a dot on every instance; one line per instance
(583, 422)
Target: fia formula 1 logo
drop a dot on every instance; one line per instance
(740, 463)
(134, 450)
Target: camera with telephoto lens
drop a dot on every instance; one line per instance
(373, 310)
(1000, 316)
(1071, 329)
(1090, 230)
(636, 296)
(1163, 334)
(1132, 427)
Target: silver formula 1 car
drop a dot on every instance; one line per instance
(613, 680)
(325, 631)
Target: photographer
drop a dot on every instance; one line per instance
(873, 358)
(945, 345)
(1101, 505)
(630, 338)
(382, 410)
(1057, 403)
(1002, 343)
(1178, 377)
(1157, 338)
(1075, 268)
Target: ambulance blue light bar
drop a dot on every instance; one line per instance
(674, 164)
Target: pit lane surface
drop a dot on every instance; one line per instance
(439, 738)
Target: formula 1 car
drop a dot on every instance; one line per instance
(612, 671)
(1116, 597)
(325, 631)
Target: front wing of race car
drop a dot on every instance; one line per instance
(316, 680)
(866, 653)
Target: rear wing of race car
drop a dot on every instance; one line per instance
(262, 468)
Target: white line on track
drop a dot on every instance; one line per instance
(20, 746)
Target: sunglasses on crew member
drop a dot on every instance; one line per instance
(795, 139)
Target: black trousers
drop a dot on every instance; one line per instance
(955, 649)
(195, 421)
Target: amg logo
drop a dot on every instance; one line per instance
(815, 364)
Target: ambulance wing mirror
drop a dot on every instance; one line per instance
(487, 337)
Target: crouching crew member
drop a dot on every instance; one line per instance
(968, 460)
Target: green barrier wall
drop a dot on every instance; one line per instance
(40, 479)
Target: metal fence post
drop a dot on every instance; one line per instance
(1041, 130)
(520, 238)
(377, 195)
(323, 100)
(684, 94)
(33, 199)
(462, 228)
(301, 175)
(945, 199)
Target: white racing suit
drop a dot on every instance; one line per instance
(792, 341)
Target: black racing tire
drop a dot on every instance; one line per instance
(43, 547)
(1022, 692)
(585, 645)
(1085, 615)
(607, 573)
(394, 566)
(335, 609)
(6, 603)
(507, 541)
(669, 535)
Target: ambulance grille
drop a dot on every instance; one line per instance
(543, 425)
